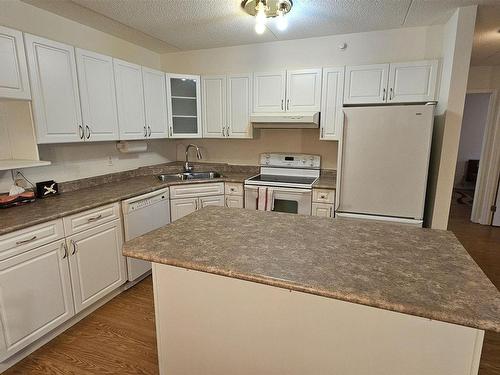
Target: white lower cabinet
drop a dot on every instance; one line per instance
(96, 263)
(182, 207)
(322, 209)
(35, 296)
(234, 201)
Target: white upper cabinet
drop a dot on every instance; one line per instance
(155, 102)
(391, 83)
(269, 91)
(413, 81)
(366, 84)
(13, 69)
(332, 116)
(303, 90)
(184, 106)
(97, 95)
(213, 95)
(130, 100)
(239, 106)
(54, 86)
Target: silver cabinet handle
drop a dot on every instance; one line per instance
(288, 104)
(145, 131)
(390, 93)
(22, 242)
(73, 243)
(87, 131)
(171, 132)
(331, 211)
(281, 104)
(223, 131)
(227, 130)
(149, 128)
(196, 204)
(91, 219)
(383, 95)
(80, 129)
(322, 132)
(227, 205)
(65, 248)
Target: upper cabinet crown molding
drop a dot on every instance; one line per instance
(155, 103)
(184, 105)
(54, 85)
(407, 82)
(130, 100)
(14, 81)
(97, 94)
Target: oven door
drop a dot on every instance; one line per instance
(289, 200)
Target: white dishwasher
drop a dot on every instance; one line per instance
(141, 215)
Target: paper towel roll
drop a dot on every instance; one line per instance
(127, 147)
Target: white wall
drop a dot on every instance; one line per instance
(471, 135)
(362, 48)
(457, 46)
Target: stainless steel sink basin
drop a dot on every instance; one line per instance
(189, 176)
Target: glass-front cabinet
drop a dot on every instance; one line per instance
(184, 106)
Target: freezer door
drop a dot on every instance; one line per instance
(385, 159)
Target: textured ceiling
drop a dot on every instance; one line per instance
(197, 24)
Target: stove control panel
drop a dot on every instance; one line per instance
(290, 160)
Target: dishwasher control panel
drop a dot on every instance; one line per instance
(146, 200)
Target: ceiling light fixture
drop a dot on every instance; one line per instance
(264, 9)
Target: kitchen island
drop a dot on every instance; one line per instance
(249, 292)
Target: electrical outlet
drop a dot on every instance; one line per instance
(110, 161)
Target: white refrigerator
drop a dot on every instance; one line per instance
(384, 162)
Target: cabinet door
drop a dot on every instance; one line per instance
(182, 207)
(303, 90)
(413, 81)
(234, 201)
(97, 94)
(322, 209)
(184, 106)
(13, 69)
(35, 296)
(366, 84)
(239, 105)
(155, 102)
(269, 92)
(130, 100)
(213, 98)
(217, 200)
(54, 87)
(96, 263)
(332, 116)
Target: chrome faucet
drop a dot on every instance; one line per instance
(187, 168)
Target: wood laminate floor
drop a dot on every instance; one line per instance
(119, 338)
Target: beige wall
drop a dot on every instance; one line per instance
(362, 48)
(457, 47)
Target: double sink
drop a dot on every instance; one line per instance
(189, 176)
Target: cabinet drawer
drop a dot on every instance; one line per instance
(233, 188)
(323, 196)
(90, 218)
(322, 209)
(196, 190)
(26, 239)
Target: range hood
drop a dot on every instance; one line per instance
(282, 120)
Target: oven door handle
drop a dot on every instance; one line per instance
(280, 189)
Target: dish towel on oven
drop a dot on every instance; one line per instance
(265, 199)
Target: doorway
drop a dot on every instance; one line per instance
(473, 189)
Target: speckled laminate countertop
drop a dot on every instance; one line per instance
(43, 210)
(396, 267)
